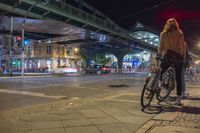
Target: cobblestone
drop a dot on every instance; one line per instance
(189, 117)
(186, 120)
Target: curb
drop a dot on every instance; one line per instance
(20, 77)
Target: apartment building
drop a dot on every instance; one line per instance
(39, 56)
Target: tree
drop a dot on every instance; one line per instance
(101, 59)
(9, 53)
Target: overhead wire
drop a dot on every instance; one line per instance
(144, 10)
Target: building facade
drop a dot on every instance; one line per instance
(39, 57)
(51, 56)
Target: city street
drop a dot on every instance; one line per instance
(19, 92)
(79, 66)
(90, 104)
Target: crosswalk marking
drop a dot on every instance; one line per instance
(30, 94)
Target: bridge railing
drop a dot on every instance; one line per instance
(88, 18)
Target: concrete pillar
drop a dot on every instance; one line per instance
(152, 59)
(120, 63)
(88, 60)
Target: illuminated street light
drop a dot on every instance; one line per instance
(76, 49)
(197, 62)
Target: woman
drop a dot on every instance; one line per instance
(172, 48)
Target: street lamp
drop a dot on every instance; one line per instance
(76, 50)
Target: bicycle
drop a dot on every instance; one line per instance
(192, 74)
(151, 86)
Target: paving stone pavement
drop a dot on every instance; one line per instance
(111, 114)
(176, 119)
(81, 115)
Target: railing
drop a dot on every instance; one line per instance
(82, 16)
(64, 10)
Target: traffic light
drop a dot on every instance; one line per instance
(18, 41)
(26, 42)
(18, 38)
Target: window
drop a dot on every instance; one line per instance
(40, 50)
(57, 50)
(63, 50)
(49, 49)
(35, 49)
(69, 51)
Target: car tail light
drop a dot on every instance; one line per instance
(104, 68)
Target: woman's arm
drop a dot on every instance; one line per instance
(161, 47)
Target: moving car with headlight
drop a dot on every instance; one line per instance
(98, 69)
(65, 70)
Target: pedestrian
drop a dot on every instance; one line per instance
(172, 49)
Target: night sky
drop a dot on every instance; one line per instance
(154, 13)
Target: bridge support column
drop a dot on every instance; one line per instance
(152, 59)
(120, 63)
(88, 61)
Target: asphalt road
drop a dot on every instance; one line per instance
(18, 92)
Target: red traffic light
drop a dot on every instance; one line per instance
(18, 38)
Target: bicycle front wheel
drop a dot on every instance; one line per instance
(147, 95)
(168, 84)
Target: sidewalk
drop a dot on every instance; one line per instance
(111, 114)
(176, 119)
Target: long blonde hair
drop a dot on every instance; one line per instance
(171, 24)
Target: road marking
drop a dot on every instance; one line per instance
(81, 87)
(42, 83)
(117, 100)
(122, 94)
(121, 100)
(123, 91)
(30, 94)
(108, 90)
(94, 88)
(193, 86)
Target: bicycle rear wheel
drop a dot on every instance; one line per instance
(147, 95)
(168, 84)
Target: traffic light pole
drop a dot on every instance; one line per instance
(23, 55)
(8, 46)
(23, 25)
